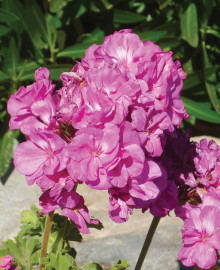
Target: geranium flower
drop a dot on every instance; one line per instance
(31, 102)
(43, 153)
(6, 263)
(201, 237)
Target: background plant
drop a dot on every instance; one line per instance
(56, 33)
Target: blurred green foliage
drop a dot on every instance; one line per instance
(54, 33)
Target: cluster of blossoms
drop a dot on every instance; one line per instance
(114, 126)
(6, 263)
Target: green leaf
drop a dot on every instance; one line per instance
(168, 44)
(80, 10)
(33, 222)
(213, 32)
(189, 25)
(4, 30)
(74, 51)
(29, 217)
(200, 111)
(210, 81)
(61, 261)
(12, 6)
(78, 50)
(92, 266)
(27, 70)
(6, 151)
(152, 35)
(33, 21)
(121, 265)
(3, 252)
(100, 5)
(70, 231)
(96, 36)
(61, 38)
(193, 79)
(126, 17)
(13, 58)
(207, 6)
(25, 251)
(57, 5)
(56, 70)
(3, 76)
(7, 16)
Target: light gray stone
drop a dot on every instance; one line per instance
(15, 196)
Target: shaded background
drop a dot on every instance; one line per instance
(56, 33)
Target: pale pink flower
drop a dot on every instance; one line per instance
(131, 155)
(201, 237)
(93, 151)
(31, 102)
(43, 153)
(147, 187)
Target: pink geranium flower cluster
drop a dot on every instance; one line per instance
(113, 125)
(105, 127)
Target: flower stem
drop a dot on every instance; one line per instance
(46, 237)
(147, 242)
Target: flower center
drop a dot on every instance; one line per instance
(96, 152)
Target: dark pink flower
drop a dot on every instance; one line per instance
(120, 204)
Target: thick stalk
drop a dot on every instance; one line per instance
(46, 237)
(147, 242)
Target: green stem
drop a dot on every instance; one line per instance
(48, 224)
(147, 242)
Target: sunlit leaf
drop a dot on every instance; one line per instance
(74, 51)
(200, 111)
(189, 25)
(152, 35)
